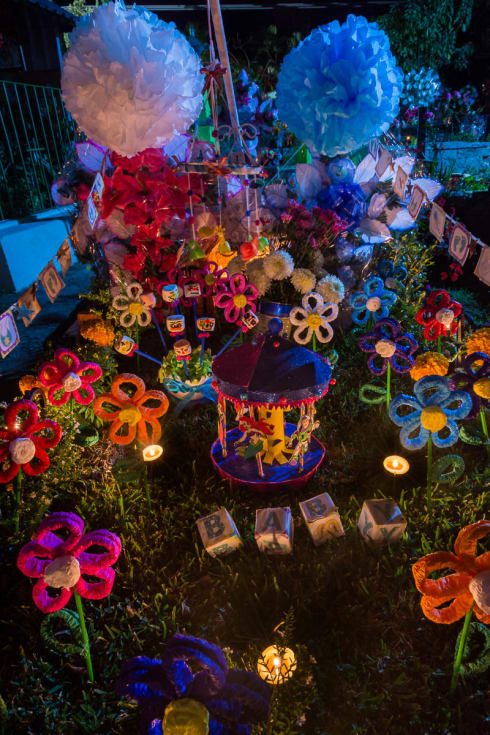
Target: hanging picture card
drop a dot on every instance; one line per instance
(459, 244)
(51, 281)
(64, 257)
(9, 336)
(482, 269)
(383, 162)
(400, 185)
(28, 307)
(416, 201)
(437, 222)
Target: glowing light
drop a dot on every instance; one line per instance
(275, 666)
(396, 465)
(151, 452)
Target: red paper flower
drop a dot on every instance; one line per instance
(61, 563)
(239, 297)
(70, 376)
(438, 315)
(23, 441)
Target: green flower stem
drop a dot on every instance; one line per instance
(18, 488)
(484, 427)
(83, 628)
(459, 653)
(147, 487)
(314, 342)
(388, 386)
(429, 473)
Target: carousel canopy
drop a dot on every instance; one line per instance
(272, 369)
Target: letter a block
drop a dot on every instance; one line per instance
(381, 521)
(274, 528)
(219, 533)
(322, 518)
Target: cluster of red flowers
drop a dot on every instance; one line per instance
(150, 193)
(320, 226)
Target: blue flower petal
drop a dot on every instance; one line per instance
(464, 407)
(448, 441)
(374, 286)
(404, 400)
(415, 442)
(358, 300)
(430, 382)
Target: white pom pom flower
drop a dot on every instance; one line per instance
(331, 288)
(278, 265)
(303, 280)
(259, 279)
(130, 80)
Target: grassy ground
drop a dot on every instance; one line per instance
(369, 661)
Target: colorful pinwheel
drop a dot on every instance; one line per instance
(389, 346)
(24, 440)
(312, 319)
(68, 377)
(192, 670)
(375, 300)
(129, 413)
(438, 315)
(240, 296)
(132, 306)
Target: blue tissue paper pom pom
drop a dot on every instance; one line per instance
(340, 87)
(344, 250)
(346, 200)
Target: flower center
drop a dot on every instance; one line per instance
(22, 450)
(480, 589)
(130, 415)
(313, 320)
(71, 382)
(209, 279)
(445, 317)
(373, 304)
(385, 348)
(135, 308)
(433, 418)
(62, 572)
(186, 717)
(240, 301)
(482, 388)
(391, 283)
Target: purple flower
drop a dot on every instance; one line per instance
(474, 378)
(388, 344)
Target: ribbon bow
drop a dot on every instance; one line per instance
(213, 74)
(218, 168)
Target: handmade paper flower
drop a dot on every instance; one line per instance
(339, 87)
(212, 278)
(375, 300)
(331, 288)
(429, 363)
(431, 413)
(129, 413)
(391, 274)
(474, 378)
(303, 280)
(132, 306)
(66, 376)
(468, 585)
(130, 80)
(312, 318)
(278, 265)
(239, 297)
(479, 341)
(388, 344)
(438, 315)
(96, 329)
(24, 440)
(192, 685)
(259, 279)
(60, 563)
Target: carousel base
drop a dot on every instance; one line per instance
(244, 473)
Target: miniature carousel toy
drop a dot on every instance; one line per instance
(263, 379)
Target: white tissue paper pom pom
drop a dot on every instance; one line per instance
(130, 80)
(303, 280)
(331, 288)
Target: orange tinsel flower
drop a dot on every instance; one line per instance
(469, 569)
(129, 413)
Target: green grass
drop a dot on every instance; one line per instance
(369, 662)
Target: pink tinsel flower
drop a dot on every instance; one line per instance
(240, 297)
(66, 374)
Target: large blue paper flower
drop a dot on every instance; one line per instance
(340, 86)
(375, 300)
(431, 413)
(193, 669)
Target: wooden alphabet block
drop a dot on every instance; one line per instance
(274, 529)
(322, 518)
(381, 521)
(219, 533)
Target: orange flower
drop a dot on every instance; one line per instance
(461, 589)
(28, 382)
(129, 413)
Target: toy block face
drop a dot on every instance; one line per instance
(381, 521)
(219, 533)
(274, 530)
(322, 518)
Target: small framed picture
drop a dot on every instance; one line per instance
(437, 222)
(416, 201)
(383, 162)
(482, 269)
(9, 336)
(64, 257)
(400, 185)
(97, 189)
(459, 244)
(92, 212)
(51, 281)
(28, 307)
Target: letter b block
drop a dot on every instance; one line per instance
(322, 518)
(274, 530)
(219, 533)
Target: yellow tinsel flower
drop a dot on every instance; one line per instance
(429, 363)
(479, 341)
(96, 329)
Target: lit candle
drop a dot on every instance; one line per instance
(275, 666)
(151, 452)
(396, 465)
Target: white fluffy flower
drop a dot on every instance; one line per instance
(235, 265)
(331, 288)
(259, 279)
(278, 265)
(303, 280)
(130, 80)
